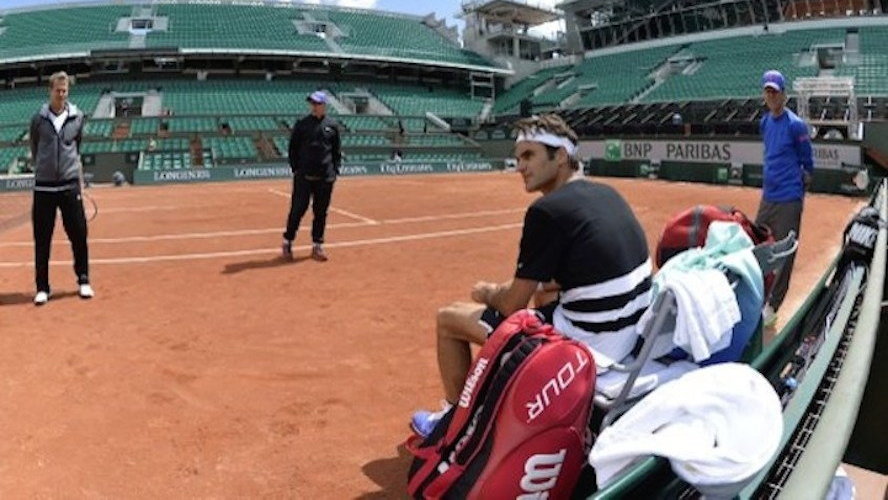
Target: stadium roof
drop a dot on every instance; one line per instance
(511, 11)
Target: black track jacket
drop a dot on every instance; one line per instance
(314, 148)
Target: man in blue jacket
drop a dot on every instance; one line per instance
(788, 167)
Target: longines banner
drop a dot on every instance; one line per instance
(22, 183)
(826, 156)
(278, 171)
(17, 183)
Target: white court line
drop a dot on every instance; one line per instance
(332, 209)
(481, 213)
(355, 216)
(248, 232)
(142, 209)
(180, 236)
(279, 193)
(262, 251)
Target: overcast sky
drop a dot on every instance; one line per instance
(442, 8)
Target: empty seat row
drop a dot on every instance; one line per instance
(166, 161)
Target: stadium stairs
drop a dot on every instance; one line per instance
(266, 149)
(196, 149)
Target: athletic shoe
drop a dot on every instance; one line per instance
(85, 291)
(424, 422)
(769, 317)
(41, 298)
(287, 249)
(317, 253)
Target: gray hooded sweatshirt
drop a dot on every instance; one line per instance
(56, 155)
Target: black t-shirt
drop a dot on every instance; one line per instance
(583, 233)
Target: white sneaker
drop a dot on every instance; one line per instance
(41, 298)
(86, 292)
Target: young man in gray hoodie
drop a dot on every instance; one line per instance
(55, 135)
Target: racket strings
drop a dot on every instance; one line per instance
(90, 207)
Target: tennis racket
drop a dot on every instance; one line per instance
(90, 207)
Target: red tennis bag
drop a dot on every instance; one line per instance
(688, 229)
(521, 426)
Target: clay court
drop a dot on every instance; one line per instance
(208, 367)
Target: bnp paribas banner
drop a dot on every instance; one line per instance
(278, 171)
(826, 155)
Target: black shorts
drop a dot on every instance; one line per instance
(491, 318)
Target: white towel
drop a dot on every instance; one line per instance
(707, 312)
(718, 425)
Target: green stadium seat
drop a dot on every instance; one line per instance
(230, 26)
(166, 161)
(12, 134)
(370, 33)
(144, 126)
(231, 148)
(36, 33)
(251, 123)
(17, 106)
(414, 100)
(98, 128)
(9, 157)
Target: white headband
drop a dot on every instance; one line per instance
(549, 139)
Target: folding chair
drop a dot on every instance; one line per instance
(770, 257)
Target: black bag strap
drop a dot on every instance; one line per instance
(492, 399)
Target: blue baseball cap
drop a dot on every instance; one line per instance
(773, 79)
(317, 97)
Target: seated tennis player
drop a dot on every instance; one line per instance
(580, 236)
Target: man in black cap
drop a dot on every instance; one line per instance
(315, 158)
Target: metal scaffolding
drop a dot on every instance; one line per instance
(828, 86)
